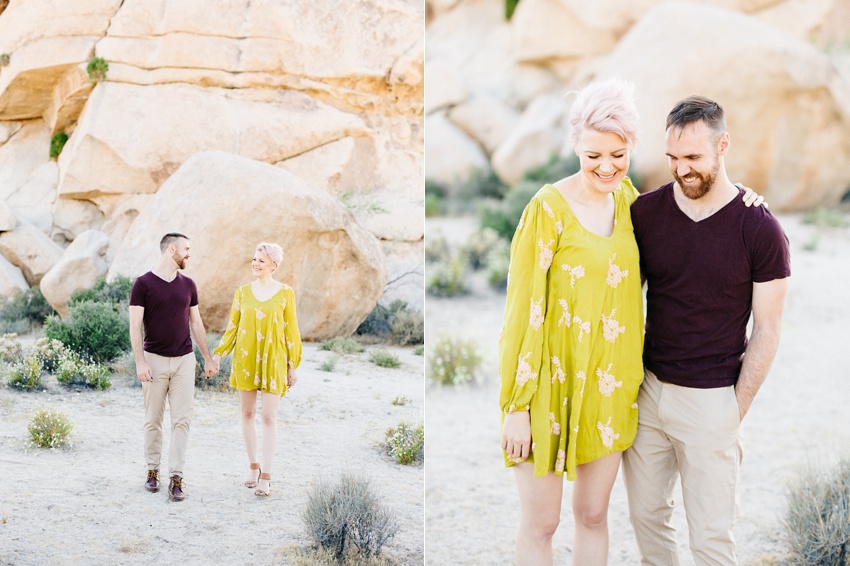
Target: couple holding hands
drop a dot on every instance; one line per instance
(262, 332)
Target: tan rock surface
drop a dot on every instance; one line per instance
(789, 142)
(486, 119)
(82, 262)
(73, 217)
(31, 250)
(547, 29)
(452, 155)
(335, 266)
(444, 87)
(24, 152)
(11, 278)
(7, 218)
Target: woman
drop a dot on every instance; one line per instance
(263, 334)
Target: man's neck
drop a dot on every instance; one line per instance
(166, 270)
(721, 193)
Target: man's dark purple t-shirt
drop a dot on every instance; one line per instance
(166, 317)
(700, 279)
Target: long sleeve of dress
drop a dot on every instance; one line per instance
(521, 343)
(228, 340)
(291, 335)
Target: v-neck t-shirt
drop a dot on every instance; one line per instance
(166, 316)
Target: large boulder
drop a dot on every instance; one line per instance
(335, 266)
(788, 111)
(11, 278)
(82, 262)
(31, 250)
(487, 120)
(452, 155)
(444, 87)
(822, 21)
(534, 141)
(7, 218)
(539, 33)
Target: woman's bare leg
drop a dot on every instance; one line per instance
(591, 493)
(540, 513)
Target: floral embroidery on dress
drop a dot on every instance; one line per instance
(260, 336)
(611, 328)
(607, 382)
(583, 327)
(260, 314)
(556, 426)
(576, 273)
(548, 209)
(559, 463)
(521, 220)
(230, 325)
(559, 227)
(535, 318)
(607, 433)
(244, 352)
(523, 370)
(243, 332)
(546, 254)
(559, 373)
(634, 405)
(565, 318)
(583, 378)
(615, 274)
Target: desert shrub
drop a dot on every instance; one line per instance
(26, 372)
(408, 327)
(406, 443)
(504, 216)
(116, 292)
(49, 429)
(453, 361)
(825, 218)
(436, 248)
(419, 350)
(99, 331)
(433, 207)
(401, 400)
(11, 349)
(478, 245)
(342, 345)
(51, 352)
(481, 184)
(97, 69)
(435, 193)
(817, 523)
(385, 359)
(446, 278)
(29, 306)
(346, 515)
(553, 170)
(57, 143)
(5, 58)
(221, 380)
(396, 323)
(71, 369)
(497, 262)
(329, 364)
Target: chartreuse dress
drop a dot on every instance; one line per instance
(264, 338)
(571, 345)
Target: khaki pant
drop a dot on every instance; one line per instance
(693, 434)
(174, 379)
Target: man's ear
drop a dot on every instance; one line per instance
(724, 143)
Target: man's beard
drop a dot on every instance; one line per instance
(705, 184)
(181, 262)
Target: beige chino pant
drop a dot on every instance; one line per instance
(173, 379)
(692, 434)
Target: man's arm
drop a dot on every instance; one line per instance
(196, 326)
(768, 302)
(143, 369)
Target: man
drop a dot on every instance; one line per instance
(165, 302)
(709, 262)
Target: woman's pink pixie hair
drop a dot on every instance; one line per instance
(606, 106)
(272, 251)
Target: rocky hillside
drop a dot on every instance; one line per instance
(309, 114)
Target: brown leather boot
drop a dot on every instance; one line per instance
(152, 483)
(175, 489)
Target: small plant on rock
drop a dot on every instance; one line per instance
(97, 69)
(348, 515)
(57, 143)
(453, 361)
(5, 58)
(406, 443)
(49, 429)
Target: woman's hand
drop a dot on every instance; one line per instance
(516, 436)
(751, 198)
(291, 378)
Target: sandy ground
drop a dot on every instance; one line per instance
(86, 503)
(799, 417)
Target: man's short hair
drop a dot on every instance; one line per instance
(695, 108)
(168, 239)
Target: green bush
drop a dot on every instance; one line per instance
(553, 170)
(51, 352)
(433, 205)
(504, 216)
(380, 320)
(342, 345)
(510, 8)
(817, 524)
(385, 359)
(478, 245)
(330, 363)
(453, 361)
(71, 369)
(11, 349)
(401, 400)
(116, 292)
(419, 350)
(481, 184)
(446, 278)
(97, 69)
(5, 58)
(221, 380)
(100, 331)
(408, 327)
(436, 248)
(497, 262)
(406, 443)
(348, 515)
(29, 306)
(49, 429)
(57, 143)
(26, 373)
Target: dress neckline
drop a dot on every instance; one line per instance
(272, 296)
(574, 217)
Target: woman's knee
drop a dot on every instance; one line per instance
(540, 527)
(591, 515)
(249, 414)
(269, 420)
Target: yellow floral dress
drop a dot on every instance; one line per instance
(572, 340)
(264, 338)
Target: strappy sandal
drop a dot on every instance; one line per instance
(252, 483)
(260, 492)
